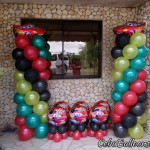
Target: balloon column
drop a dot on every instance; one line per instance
(98, 116)
(32, 58)
(129, 94)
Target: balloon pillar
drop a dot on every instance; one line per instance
(32, 63)
(129, 94)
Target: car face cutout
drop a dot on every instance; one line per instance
(28, 30)
(130, 28)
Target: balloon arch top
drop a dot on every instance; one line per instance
(33, 64)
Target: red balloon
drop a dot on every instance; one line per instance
(129, 98)
(50, 136)
(92, 133)
(65, 135)
(138, 86)
(99, 134)
(57, 137)
(39, 64)
(31, 53)
(142, 74)
(50, 71)
(48, 64)
(84, 133)
(25, 133)
(20, 121)
(121, 109)
(108, 125)
(115, 117)
(70, 133)
(22, 41)
(44, 75)
(105, 132)
(76, 135)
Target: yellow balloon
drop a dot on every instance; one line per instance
(18, 75)
(121, 64)
(32, 98)
(130, 51)
(40, 108)
(138, 39)
(136, 132)
(142, 119)
(44, 118)
(23, 87)
(116, 75)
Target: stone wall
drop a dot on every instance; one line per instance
(89, 90)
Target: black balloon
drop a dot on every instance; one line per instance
(94, 126)
(129, 120)
(103, 126)
(40, 86)
(17, 53)
(116, 52)
(120, 131)
(72, 127)
(138, 109)
(122, 40)
(142, 97)
(45, 96)
(31, 75)
(52, 129)
(62, 129)
(81, 127)
(22, 64)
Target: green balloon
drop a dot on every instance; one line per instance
(130, 51)
(138, 39)
(44, 118)
(142, 119)
(136, 132)
(40, 108)
(23, 87)
(116, 96)
(47, 46)
(44, 53)
(121, 86)
(23, 110)
(142, 51)
(49, 56)
(18, 75)
(18, 98)
(32, 98)
(41, 131)
(121, 64)
(33, 120)
(38, 41)
(116, 75)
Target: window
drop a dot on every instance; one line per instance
(75, 47)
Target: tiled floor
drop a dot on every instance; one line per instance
(10, 141)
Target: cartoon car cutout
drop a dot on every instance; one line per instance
(28, 30)
(130, 28)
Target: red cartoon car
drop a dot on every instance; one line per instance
(130, 28)
(28, 30)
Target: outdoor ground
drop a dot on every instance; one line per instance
(10, 141)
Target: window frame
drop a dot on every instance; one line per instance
(61, 77)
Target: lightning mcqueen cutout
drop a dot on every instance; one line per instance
(28, 30)
(130, 28)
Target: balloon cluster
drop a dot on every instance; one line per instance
(98, 116)
(129, 94)
(65, 121)
(57, 119)
(32, 62)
